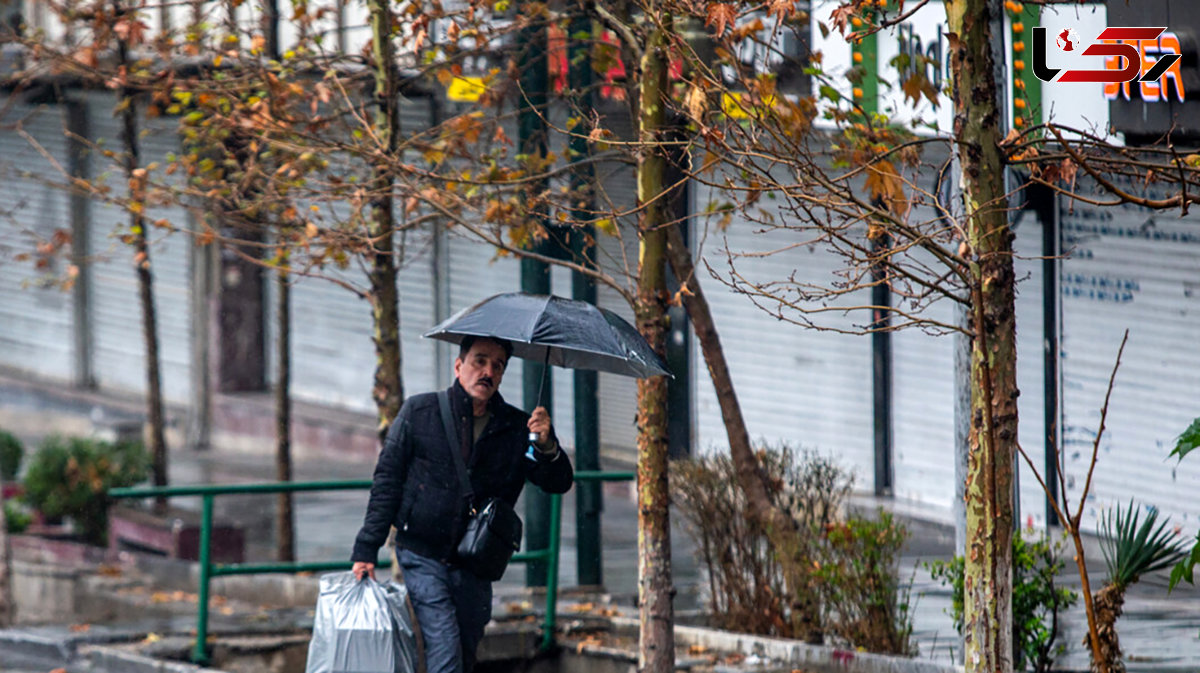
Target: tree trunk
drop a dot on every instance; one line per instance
(285, 533)
(656, 652)
(993, 434)
(388, 391)
(780, 527)
(137, 179)
(1109, 603)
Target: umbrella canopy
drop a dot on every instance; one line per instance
(557, 331)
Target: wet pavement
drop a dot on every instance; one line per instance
(1158, 633)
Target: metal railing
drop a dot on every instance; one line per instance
(209, 570)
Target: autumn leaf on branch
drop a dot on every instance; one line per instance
(781, 9)
(884, 184)
(720, 14)
(840, 18)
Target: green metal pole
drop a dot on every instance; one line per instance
(535, 275)
(589, 501)
(200, 651)
(552, 572)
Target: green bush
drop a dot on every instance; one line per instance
(864, 602)
(1036, 600)
(71, 477)
(11, 453)
(16, 519)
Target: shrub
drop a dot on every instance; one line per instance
(71, 477)
(16, 518)
(863, 601)
(11, 452)
(1036, 600)
(748, 588)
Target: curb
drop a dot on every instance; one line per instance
(37, 647)
(112, 659)
(794, 653)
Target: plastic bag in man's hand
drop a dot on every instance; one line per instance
(362, 626)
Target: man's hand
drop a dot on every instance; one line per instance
(363, 569)
(539, 422)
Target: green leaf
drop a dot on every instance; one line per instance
(1189, 440)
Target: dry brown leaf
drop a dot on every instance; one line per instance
(720, 14)
(80, 628)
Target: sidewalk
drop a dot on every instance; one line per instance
(1158, 633)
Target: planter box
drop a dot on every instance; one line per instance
(175, 534)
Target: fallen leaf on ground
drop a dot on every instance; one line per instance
(697, 649)
(80, 628)
(590, 641)
(151, 638)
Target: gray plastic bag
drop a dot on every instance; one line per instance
(362, 626)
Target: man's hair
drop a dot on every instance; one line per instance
(468, 341)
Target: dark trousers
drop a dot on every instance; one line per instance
(452, 607)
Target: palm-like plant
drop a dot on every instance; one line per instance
(1132, 547)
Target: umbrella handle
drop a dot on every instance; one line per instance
(541, 387)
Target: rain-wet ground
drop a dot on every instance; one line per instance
(1158, 632)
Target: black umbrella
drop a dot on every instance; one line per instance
(556, 331)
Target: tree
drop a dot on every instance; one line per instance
(852, 189)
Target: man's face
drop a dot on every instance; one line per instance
(480, 372)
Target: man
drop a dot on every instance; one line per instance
(416, 489)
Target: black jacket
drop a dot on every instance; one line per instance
(416, 488)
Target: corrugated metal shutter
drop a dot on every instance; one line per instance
(476, 273)
(333, 354)
(923, 392)
(333, 358)
(117, 317)
(1131, 268)
(617, 256)
(798, 386)
(36, 318)
(1031, 416)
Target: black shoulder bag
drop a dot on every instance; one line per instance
(493, 530)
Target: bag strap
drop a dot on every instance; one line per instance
(452, 437)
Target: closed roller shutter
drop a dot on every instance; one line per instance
(333, 352)
(476, 273)
(797, 386)
(117, 315)
(924, 388)
(35, 315)
(1131, 268)
(617, 256)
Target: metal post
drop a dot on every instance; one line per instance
(589, 498)
(79, 165)
(200, 651)
(552, 572)
(881, 369)
(535, 275)
(1047, 209)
